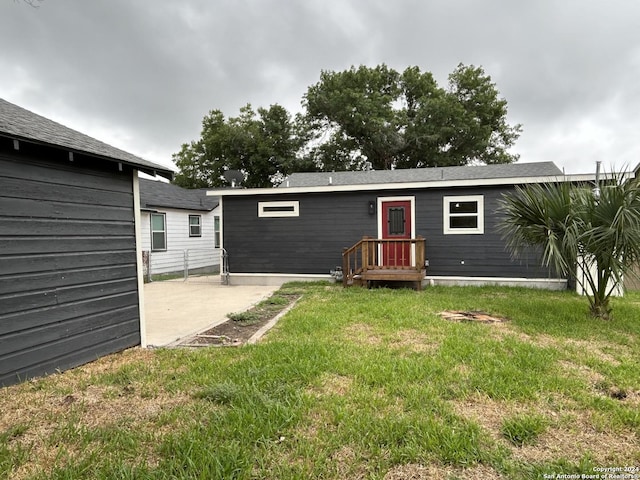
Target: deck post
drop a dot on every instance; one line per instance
(420, 252)
(365, 254)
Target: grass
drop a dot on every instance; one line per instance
(266, 309)
(523, 429)
(351, 383)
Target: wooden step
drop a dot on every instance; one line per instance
(398, 275)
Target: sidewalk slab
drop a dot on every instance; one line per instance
(175, 310)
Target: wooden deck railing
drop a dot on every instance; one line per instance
(383, 259)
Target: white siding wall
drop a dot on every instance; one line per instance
(200, 250)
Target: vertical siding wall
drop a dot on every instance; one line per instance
(201, 250)
(313, 242)
(68, 278)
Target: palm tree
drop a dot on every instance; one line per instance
(571, 222)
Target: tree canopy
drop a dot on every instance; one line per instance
(405, 120)
(263, 145)
(375, 117)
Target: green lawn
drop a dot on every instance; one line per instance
(351, 383)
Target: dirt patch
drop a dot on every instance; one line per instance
(363, 334)
(347, 464)
(242, 326)
(471, 316)
(72, 403)
(594, 348)
(413, 471)
(582, 371)
(415, 341)
(571, 433)
(332, 384)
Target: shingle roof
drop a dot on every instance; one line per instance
(21, 124)
(512, 170)
(154, 194)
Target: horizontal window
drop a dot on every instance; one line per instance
(279, 209)
(463, 215)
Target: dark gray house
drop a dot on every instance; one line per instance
(69, 263)
(299, 230)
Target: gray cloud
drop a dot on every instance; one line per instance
(141, 75)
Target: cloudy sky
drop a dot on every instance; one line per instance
(140, 75)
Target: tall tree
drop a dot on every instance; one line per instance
(570, 222)
(359, 117)
(405, 120)
(263, 145)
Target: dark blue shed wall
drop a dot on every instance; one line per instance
(68, 269)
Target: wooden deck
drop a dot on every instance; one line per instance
(384, 260)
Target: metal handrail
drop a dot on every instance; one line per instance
(224, 270)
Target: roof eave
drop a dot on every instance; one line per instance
(486, 182)
(153, 171)
(174, 207)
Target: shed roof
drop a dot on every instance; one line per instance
(154, 194)
(21, 124)
(434, 174)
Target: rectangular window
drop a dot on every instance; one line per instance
(279, 209)
(195, 225)
(463, 215)
(396, 221)
(158, 232)
(216, 231)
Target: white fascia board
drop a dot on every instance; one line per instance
(485, 182)
(591, 177)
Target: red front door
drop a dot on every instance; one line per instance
(396, 225)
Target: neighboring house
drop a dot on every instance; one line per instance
(632, 281)
(300, 229)
(70, 269)
(180, 227)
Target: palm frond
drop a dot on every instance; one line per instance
(567, 222)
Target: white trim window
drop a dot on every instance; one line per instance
(463, 215)
(158, 232)
(216, 231)
(195, 225)
(279, 209)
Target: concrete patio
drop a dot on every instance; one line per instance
(178, 309)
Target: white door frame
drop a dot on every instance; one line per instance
(412, 200)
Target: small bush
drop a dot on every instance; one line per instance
(244, 317)
(276, 300)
